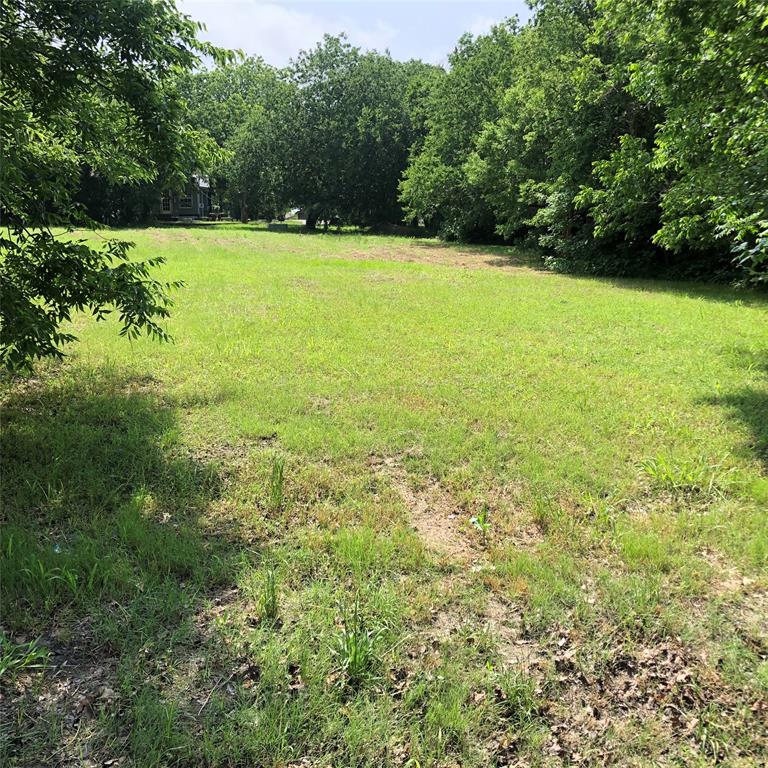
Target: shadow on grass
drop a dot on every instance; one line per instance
(104, 554)
(718, 292)
(99, 504)
(750, 405)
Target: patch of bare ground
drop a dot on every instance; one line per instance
(229, 457)
(753, 616)
(727, 580)
(433, 514)
(658, 689)
(503, 621)
(443, 526)
(427, 253)
(76, 688)
(517, 651)
(512, 523)
(745, 600)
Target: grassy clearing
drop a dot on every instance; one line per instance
(215, 553)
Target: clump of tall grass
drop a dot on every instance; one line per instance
(688, 476)
(277, 484)
(269, 601)
(19, 657)
(357, 647)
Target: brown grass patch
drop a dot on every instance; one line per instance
(440, 255)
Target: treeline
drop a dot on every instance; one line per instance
(622, 137)
(330, 134)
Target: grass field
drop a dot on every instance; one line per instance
(387, 502)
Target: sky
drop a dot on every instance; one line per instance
(277, 31)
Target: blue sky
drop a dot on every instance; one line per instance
(277, 31)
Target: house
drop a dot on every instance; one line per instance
(194, 202)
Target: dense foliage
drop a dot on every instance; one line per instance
(352, 134)
(87, 91)
(330, 134)
(247, 108)
(624, 136)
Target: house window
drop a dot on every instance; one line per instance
(185, 201)
(165, 203)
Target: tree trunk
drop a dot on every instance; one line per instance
(243, 208)
(311, 220)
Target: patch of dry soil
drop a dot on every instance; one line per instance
(429, 253)
(433, 514)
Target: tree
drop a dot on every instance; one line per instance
(704, 65)
(249, 109)
(352, 133)
(84, 86)
(256, 173)
(562, 113)
(435, 188)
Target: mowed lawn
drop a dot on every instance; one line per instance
(390, 502)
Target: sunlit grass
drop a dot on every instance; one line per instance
(209, 511)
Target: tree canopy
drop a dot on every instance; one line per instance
(623, 136)
(620, 137)
(331, 133)
(88, 89)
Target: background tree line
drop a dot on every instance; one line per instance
(331, 133)
(621, 136)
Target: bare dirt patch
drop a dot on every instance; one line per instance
(429, 253)
(76, 688)
(662, 689)
(505, 622)
(727, 579)
(443, 526)
(512, 522)
(433, 514)
(746, 599)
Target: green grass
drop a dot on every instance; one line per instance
(204, 529)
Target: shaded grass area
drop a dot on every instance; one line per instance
(203, 564)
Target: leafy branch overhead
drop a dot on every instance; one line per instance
(45, 279)
(88, 90)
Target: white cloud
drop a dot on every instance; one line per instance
(436, 56)
(277, 33)
(481, 25)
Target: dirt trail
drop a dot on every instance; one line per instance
(443, 527)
